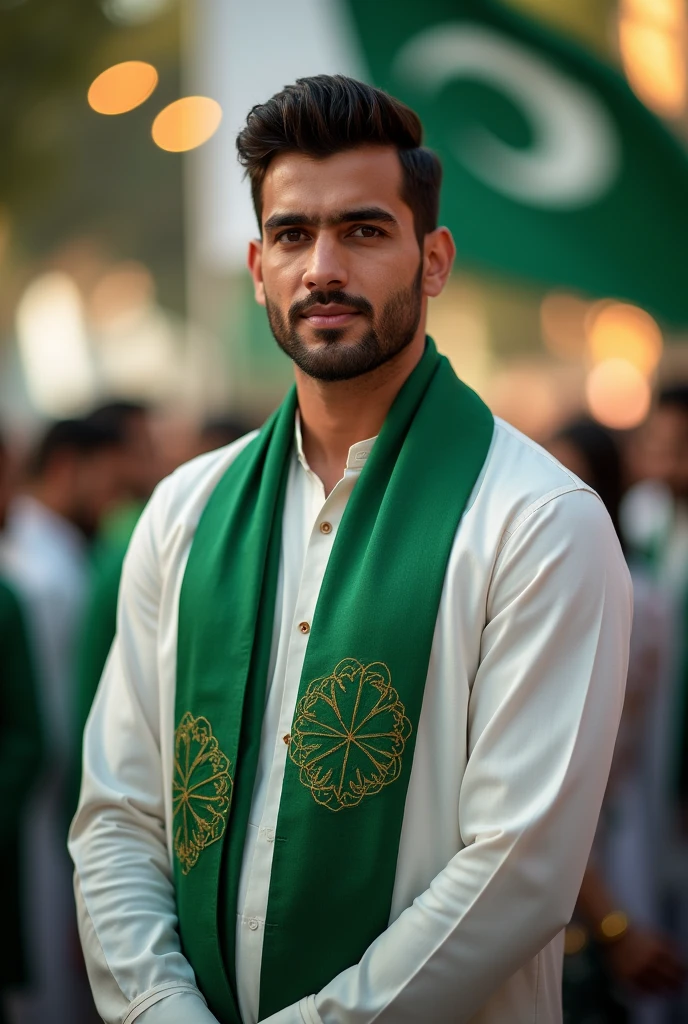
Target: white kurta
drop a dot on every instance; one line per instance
(520, 712)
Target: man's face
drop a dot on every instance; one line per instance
(142, 469)
(8, 472)
(662, 450)
(339, 267)
(95, 483)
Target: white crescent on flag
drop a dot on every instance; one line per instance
(577, 153)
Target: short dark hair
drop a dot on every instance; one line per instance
(77, 436)
(600, 450)
(117, 414)
(329, 114)
(674, 395)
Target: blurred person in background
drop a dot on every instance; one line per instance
(139, 472)
(623, 954)
(20, 763)
(656, 517)
(142, 471)
(74, 477)
(143, 464)
(218, 431)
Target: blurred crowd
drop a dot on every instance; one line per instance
(68, 506)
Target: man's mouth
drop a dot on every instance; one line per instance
(331, 315)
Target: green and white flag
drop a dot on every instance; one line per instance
(554, 172)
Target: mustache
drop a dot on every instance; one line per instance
(321, 298)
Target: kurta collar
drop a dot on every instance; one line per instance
(356, 459)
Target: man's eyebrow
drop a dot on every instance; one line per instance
(366, 213)
(285, 220)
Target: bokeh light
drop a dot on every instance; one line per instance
(618, 394)
(53, 345)
(125, 287)
(661, 12)
(133, 12)
(652, 44)
(186, 123)
(618, 330)
(122, 87)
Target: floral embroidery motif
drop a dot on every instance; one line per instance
(349, 734)
(201, 789)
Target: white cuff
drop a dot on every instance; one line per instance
(303, 1012)
(177, 1008)
(309, 1012)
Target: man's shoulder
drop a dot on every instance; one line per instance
(518, 477)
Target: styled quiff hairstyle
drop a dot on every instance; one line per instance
(329, 114)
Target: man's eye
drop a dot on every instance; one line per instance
(292, 235)
(366, 231)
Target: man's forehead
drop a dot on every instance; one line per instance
(367, 176)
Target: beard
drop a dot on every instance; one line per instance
(388, 333)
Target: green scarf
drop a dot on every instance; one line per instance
(360, 696)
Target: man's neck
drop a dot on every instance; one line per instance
(337, 414)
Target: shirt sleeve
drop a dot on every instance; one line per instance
(123, 880)
(544, 712)
(182, 1008)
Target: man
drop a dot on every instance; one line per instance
(138, 476)
(74, 478)
(353, 737)
(44, 552)
(139, 472)
(20, 762)
(656, 513)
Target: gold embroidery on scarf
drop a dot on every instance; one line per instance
(201, 790)
(349, 734)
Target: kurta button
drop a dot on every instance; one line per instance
(304, 627)
(253, 924)
(326, 527)
(287, 739)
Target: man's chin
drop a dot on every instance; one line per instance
(325, 335)
(351, 333)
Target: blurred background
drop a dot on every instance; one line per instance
(130, 342)
(124, 219)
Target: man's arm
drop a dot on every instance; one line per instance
(543, 716)
(123, 882)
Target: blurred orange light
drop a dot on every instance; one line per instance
(122, 87)
(661, 12)
(653, 51)
(622, 331)
(618, 394)
(186, 123)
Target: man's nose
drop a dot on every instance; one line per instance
(325, 268)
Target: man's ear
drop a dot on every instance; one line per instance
(255, 265)
(438, 252)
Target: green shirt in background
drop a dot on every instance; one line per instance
(21, 752)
